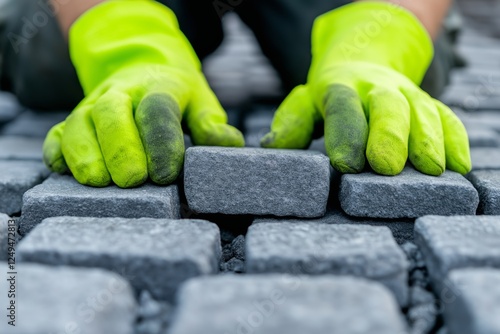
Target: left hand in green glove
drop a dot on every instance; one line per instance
(368, 60)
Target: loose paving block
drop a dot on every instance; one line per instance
(34, 123)
(487, 183)
(485, 158)
(16, 178)
(316, 249)
(154, 254)
(64, 300)
(270, 304)
(20, 148)
(62, 195)
(256, 181)
(475, 304)
(449, 243)
(408, 195)
(402, 229)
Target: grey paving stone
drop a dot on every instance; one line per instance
(20, 148)
(449, 243)
(487, 183)
(256, 181)
(270, 304)
(410, 194)
(34, 123)
(485, 158)
(402, 229)
(316, 249)
(62, 195)
(64, 300)
(154, 254)
(475, 304)
(16, 178)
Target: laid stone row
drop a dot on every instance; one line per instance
(66, 300)
(243, 181)
(318, 249)
(156, 255)
(402, 229)
(269, 304)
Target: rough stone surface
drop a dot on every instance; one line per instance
(286, 304)
(402, 229)
(21, 148)
(475, 305)
(257, 181)
(63, 299)
(16, 178)
(410, 194)
(154, 254)
(62, 195)
(449, 243)
(316, 249)
(487, 183)
(485, 158)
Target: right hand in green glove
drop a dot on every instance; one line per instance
(368, 60)
(141, 79)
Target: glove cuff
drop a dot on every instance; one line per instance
(375, 32)
(116, 35)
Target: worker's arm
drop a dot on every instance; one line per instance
(368, 60)
(430, 12)
(141, 78)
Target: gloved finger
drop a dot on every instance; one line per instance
(346, 129)
(119, 139)
(82, 151)
(293, 122)
(52, 151)
(426, 145)
(456, 140)
(389, 123)
(207, 120)
(158, 119)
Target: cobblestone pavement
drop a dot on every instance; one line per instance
(269, 241)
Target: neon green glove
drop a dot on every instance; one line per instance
(141, 78)
(368, 60)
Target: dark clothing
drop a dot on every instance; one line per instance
(35, 63)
